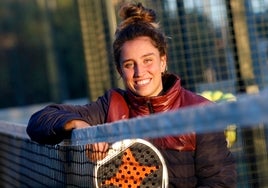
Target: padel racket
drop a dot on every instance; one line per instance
(132, 163)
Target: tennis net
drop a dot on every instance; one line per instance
(24, 163)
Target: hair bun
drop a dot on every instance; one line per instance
(136, 12)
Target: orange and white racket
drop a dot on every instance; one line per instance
(132, 163)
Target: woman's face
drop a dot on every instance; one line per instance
(141, 67)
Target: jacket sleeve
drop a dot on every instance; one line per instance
(215, 165)
(46, 125)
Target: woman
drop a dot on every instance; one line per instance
(140, 53)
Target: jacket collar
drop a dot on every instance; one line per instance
(164, 102)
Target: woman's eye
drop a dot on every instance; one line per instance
(128, 65)
(146, 61)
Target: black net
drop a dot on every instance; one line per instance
(28, 164)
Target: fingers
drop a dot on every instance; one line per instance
(75, 124)
(97, 151)
(101, 146)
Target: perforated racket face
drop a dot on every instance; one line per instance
(138, 165)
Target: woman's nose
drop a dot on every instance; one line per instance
(139, 70)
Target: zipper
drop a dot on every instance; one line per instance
(150, 107)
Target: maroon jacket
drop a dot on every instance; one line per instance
(193, 160)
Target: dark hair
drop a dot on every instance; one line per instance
(137, 21)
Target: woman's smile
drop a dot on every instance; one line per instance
(142, 82)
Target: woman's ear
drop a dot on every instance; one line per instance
(163, 60)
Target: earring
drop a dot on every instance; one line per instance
(166, 69)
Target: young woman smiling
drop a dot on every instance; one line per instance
(140, 54)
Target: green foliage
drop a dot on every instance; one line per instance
(23, 51)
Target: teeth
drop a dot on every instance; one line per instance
(142, 82)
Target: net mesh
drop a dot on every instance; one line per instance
(24, 163)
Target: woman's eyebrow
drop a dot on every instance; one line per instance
(148, 54)
(126, 60)
(143, 56)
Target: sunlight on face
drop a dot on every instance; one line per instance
(142, 66)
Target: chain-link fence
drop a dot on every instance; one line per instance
(58, 50)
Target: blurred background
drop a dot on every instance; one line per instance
(59, 51)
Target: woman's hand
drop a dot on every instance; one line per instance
(94, 152)
(97, 151)
(75, 124)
